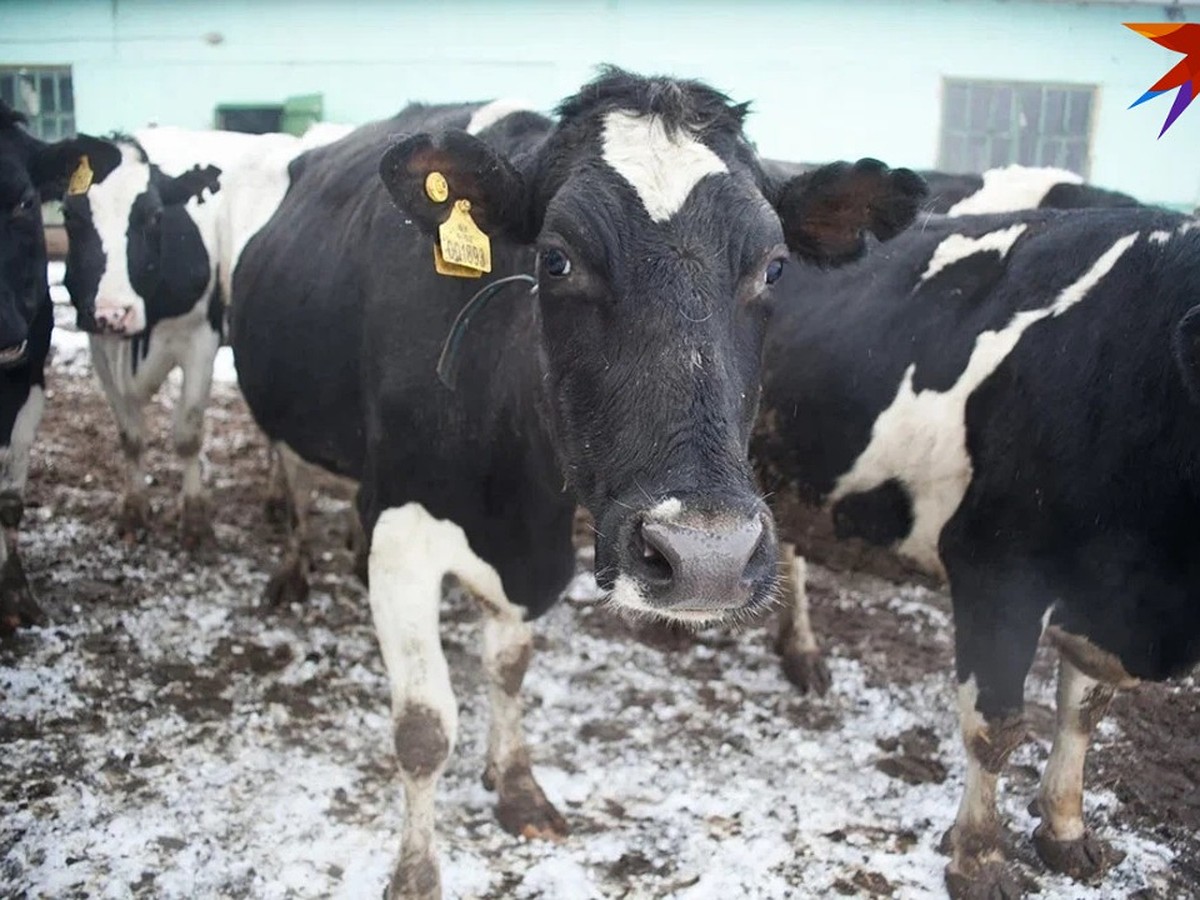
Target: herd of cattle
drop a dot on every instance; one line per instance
(1005, 395)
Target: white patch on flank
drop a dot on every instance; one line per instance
(667, 510)
(1012, 188)
(662, 168)
(960, 246)
(1188, 226)
(491, 113)
(111, 201)
(14, 456)
(1159, 237)
(921, 437)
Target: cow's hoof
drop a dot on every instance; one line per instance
(1085, 859)
(288, 585)
(195, 525)
(18, 609)
(523, 809)
(416, 878)
(133, 519)
(988, 881)
(807, 670)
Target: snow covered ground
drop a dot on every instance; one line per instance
(168, 736)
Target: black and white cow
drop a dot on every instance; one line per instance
(30, 171)
(1013, 188)
(1009, 402)
(629, 380)
(141, 272)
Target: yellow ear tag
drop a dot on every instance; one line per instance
(436, 188)
(463, 244)
(81, 178)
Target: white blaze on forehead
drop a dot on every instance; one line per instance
(491, 113)
(1012, 188)
(921, 438)
(663, 168)
(111, 201)
(960, 246)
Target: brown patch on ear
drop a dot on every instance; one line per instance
(826, 213)
(473, 171)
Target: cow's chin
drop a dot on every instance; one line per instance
(628, 599)
(14, 355)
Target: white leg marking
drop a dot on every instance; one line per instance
(410, 553)
(977, 812)
(921, 437)
(1012, 188)
(14, 459)
(662, 168)
(111, 358)
(960, 246)
(802, 630)
(197, 366)
(1082, 701)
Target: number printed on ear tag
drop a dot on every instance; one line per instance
(444, 268)
(462, 242)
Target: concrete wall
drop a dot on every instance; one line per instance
(828, 79)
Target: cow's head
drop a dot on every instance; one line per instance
(30, 171)
(658, 240)
(137, 253)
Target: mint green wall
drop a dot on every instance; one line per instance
(828, 79)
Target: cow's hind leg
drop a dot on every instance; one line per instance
(195, 514)
(1062, 840)
(289, 582)
(277, 508)
(522, 807)
(17, 606)
(796, 643)
(996, 635)
(410, 553)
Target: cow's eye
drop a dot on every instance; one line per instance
(556, 263)
(774, 270)
(25, 207)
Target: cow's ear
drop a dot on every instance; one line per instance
(1187, 351)
(826, 213)
(53, 165)
(192, 183)
(470, 170)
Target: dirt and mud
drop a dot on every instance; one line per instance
(169, 735)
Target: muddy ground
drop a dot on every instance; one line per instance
(169, 736)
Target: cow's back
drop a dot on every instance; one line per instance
(879, 378)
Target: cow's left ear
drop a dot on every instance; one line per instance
(469, 170)
(54, 164)
(826, 213)
(191, 183)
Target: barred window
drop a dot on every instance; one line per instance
(45, 94)
(994, 123)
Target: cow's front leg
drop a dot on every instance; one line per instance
(195, 513)
(1062, 840)
(112, 360)
(796, 643)
(17, 606)
(522, 807)
(410, 553)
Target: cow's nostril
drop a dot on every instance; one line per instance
(656, 551)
